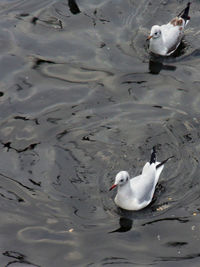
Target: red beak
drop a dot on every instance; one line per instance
(149, 37)
(113, 186)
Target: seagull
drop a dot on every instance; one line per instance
(165, 39)
(137, 193)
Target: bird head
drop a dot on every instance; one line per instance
(155, 32)
(121, 179)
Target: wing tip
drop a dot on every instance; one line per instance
(163, 162)
(185, 12)
(153, 155)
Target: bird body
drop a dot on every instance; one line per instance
(137, 193)
(165, 39)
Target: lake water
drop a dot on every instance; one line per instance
(82, 99)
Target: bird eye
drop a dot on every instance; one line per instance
(156, 33)
(121, 180)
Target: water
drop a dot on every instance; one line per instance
(80, 100)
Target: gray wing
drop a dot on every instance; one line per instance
(143, 186)
(172, 36)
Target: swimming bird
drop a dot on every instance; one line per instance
(137, 193)
(165, 39)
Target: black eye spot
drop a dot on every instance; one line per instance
(121, 180)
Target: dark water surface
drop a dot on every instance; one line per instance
(81, 99)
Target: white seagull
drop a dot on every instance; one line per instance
(136, 193)
(165, 39)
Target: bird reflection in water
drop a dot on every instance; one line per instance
(73, 7)
(156, 62)
(125, 225)
(156, 65)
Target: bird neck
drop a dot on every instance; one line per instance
(126, 188)
(156, 45)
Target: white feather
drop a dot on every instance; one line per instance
(165, 39)
(137, 193)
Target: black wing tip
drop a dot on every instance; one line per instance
(185, 12)
(154, 149)
(163, 162)
(153, 155)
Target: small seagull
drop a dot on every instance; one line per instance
(165, 39)
(137, 193)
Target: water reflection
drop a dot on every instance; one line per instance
(125, 225)
(19, 259)
(73, 7)
(181, 220)
(156, 66)
(77, 104)
(156, 62)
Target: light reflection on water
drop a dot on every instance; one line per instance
(81, 99)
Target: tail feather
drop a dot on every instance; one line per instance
(163, 162)
(185, 12)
